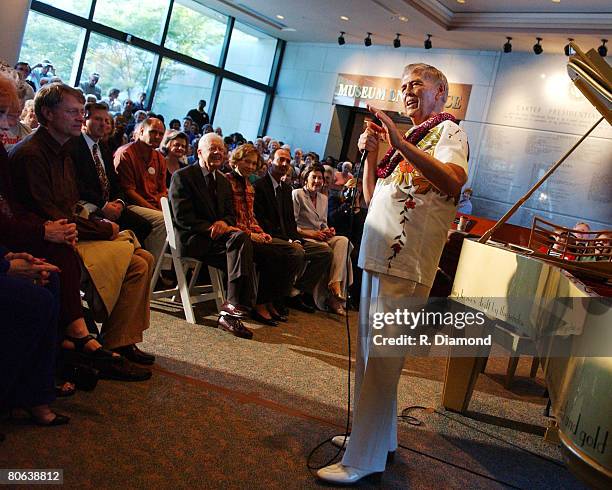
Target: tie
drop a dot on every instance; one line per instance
(212, 190)
(279, 201)
(101, 173)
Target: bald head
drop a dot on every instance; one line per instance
(211, 151)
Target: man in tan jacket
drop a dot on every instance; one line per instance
(119, 271)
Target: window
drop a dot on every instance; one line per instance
(46, 38)
(141, 18)
(251, 53)
(196, 31)
(77, 7)
(120, 66)
(239, 109)
(179, 88)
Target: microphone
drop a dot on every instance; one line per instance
(364, 155)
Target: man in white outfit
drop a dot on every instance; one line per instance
(412, 194)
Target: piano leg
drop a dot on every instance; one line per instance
(459, 381)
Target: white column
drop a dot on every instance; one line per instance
(12, 26)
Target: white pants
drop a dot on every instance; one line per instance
(374, 429)
(341, 269)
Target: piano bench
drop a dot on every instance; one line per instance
(518, 345)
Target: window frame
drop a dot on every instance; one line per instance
(161, 52)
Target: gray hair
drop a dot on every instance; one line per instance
(430, 72)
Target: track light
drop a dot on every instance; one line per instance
(396, 41)
(568, 50)
(368, 40)
(341, 40)
(427, 44)
(537, 47)
(603, 49)
(508, 46)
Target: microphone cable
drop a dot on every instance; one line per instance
(353, 199)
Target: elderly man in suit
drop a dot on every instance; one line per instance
(203, 209)
(274, 212)
(97, 181)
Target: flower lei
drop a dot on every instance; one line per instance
(387, 164)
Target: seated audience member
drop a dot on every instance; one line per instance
(328, 178)
(97, 181)
(55, 240)
(465, 203)
(202, 205)
(174, 124)
(341, 178)
(310, 208)
(128, 111)
(139, 116)
(90, 87)
(274, 213)
(275, 259)
(581, 230)
(219, 131)
(28, 115)
(187, 125)
(272, 147)
(142, 176)
(207, 128)
(604, 246)
(29, 89)
(174, 148)
(29, 298)
(114, 105)
(194, 131)
(298, 154)
(259, 145)
(118, 273)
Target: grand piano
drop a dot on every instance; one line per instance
(563, 311)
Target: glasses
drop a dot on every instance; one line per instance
(75, 112)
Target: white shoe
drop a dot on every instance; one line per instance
(344, 475)
(338, 441)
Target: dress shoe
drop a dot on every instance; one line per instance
(231, 309)
(338, 441)
(255, 315)
(280, 307)
(124, 370)
(134, 354)
(234, 326)
(297, 303)
(279, 318)
(345, 475)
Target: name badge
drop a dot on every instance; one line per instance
(151, 170)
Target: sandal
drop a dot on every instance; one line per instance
(65, 389)
(98, 358)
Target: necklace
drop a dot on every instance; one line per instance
(387, 164)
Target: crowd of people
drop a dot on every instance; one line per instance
(82, 179)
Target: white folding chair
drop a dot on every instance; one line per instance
(190, 294)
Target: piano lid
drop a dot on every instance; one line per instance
(593, 77)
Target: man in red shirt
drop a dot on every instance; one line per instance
(142, 175)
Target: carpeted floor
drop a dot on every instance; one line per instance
(222, 412)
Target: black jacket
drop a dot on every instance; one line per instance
(193, 207)
(88, 183)
(267, 210)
